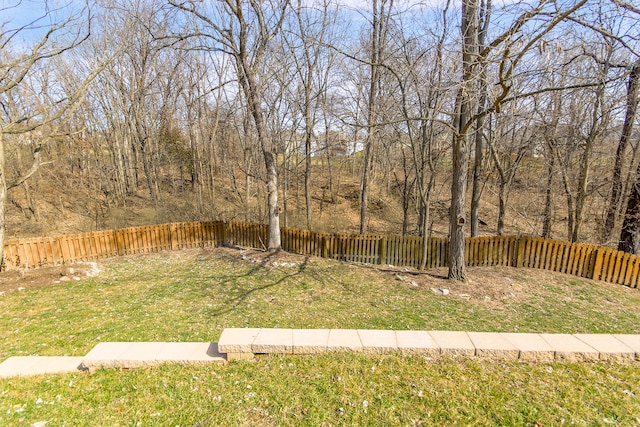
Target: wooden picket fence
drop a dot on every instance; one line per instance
(578, 259)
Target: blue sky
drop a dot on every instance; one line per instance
(36, 16)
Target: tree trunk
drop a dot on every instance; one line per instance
(272, 201)
(457, 270)
(378, 38)
(457, 218)
(249, 86)
(285, 185)
(307, 173)
(425, 202)
(476, 191)
(502, 207)
(364, 186)
(633, 86)
(149, 173)
(630, 233)
(567, 192)
(3, 201)
(546, 221)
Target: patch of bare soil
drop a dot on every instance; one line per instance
(18, 280)
(270, 259)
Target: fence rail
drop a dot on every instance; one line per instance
(577, 259)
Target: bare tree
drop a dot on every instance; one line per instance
(631, 111)
(311, 29)
(244, 30)
(379, 37)
(46, 38)
(508, 145)
(478, 164)
(461, 123)
(507, 50)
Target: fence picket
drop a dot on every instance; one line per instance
(633, 282)
(578, 259)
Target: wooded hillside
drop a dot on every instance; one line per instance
(391, 116)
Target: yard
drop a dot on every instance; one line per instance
(192, 295)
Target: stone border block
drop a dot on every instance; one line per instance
(531, 347)
(189, 352)
(608, 346)
(453, 343)
(39, 365)
(344, 340)
(417, 342)
(310, 341)
(631, 341)
(274, 340)
(570, 349)
(493, 345)
(378, 341)
(237, 340)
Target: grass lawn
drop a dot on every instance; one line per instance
(193, 295)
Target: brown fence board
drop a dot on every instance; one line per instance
(633, 282)
(578, 259)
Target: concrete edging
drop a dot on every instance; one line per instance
(245, 343)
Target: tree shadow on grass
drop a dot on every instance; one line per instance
(231, 304)
(403, 271)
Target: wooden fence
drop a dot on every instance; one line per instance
(577, 259)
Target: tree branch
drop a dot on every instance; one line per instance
(32, 170)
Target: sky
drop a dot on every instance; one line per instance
(32, 18)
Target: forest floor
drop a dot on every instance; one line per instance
(60, 205)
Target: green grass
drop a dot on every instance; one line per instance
(342, 389)
(179, 297)
(192, 296)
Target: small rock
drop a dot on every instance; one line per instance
(284, 264)
(440, 291)
(76, 278)
(21, 288)
(40, 424)
(486, 298)
(65, 279)
(466, 296)
(399, 277)
(413, 283)
(95, 269)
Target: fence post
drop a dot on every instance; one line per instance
(519, 252)
(64, 248)
(325, 246)
(597, 264)
(225, 234)
(173, 232)
(119, 243)
(383, 250)
(3, 258)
